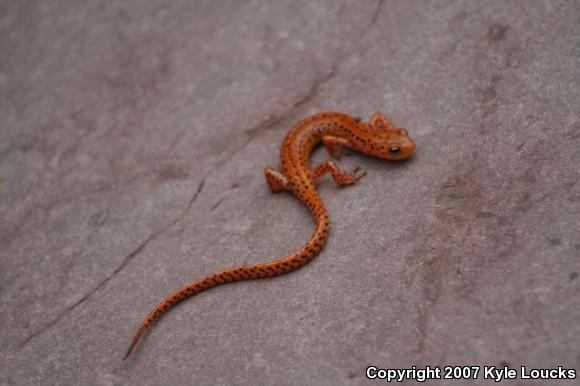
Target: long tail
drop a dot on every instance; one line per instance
(258, 271)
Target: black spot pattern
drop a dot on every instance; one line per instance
(297, 178)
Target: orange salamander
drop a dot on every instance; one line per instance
(336, 131)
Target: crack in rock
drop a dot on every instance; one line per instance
(312, 92)
(123, 264)
(376, 14)
(252, 134)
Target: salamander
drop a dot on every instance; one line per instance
(336, 131)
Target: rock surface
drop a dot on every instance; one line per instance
(132, 141)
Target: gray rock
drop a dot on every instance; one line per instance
(132, 141)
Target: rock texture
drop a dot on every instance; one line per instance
(132, 141)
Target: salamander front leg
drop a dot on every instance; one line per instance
(341, 177)
(334, 145)
(276, 180)
(381, 122)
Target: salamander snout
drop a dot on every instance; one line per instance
(399, 145)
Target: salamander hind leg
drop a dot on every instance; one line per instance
(341, 177)
(276, 180)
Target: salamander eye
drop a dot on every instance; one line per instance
(394, 150)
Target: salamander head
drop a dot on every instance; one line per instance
(387, 141)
